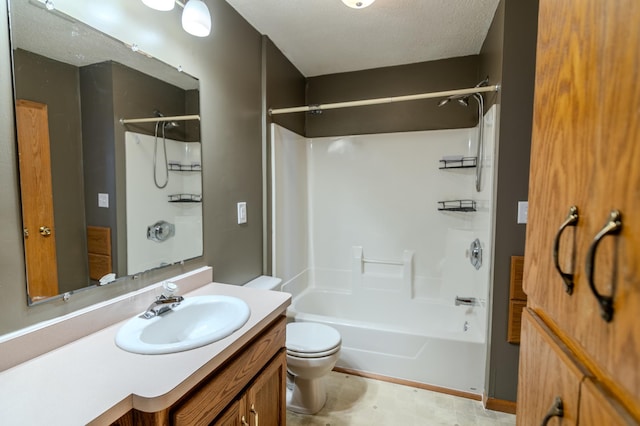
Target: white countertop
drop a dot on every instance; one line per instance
(91, 379)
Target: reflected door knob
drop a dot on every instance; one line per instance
(45, 231)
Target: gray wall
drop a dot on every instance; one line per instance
(446, 74)
(56, 84)
(228, 64)
(510, 46)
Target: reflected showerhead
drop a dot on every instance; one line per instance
(168, 125)
(464, 101)
(444, 102)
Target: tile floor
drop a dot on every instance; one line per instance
(357, 401)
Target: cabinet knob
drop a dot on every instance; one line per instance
(244, 421)
(571, 220)
(45, 231)
(612, 227)
(556, 410)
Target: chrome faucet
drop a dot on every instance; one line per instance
(468, 301)
(161, 305)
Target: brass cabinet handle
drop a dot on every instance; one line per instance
(571, 220)
(45, 231)
(255, 413)
(244, 421)
(612, 227)
(556, 410)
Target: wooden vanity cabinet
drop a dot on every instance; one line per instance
(249, 387)
(260, 405)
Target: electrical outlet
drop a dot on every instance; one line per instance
(523, 211)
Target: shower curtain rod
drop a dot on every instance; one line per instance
(157, 119)
(389, 100)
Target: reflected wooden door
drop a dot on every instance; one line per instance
(37, 199)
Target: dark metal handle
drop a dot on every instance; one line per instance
(556, 410)
(572, 220)
(612, 227)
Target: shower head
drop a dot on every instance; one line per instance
(166, 125)
(464, 99)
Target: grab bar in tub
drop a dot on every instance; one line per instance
(382, 262)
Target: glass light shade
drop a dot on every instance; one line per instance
(160, 4)
(196, 19)
(358, 4)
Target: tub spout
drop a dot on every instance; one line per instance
(467, 301)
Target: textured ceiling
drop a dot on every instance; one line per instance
(324, 36)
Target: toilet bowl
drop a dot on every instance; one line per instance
(312, 352)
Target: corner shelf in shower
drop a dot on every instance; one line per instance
(185, 198)
(457, 205)
(178, 167)
(459, 163)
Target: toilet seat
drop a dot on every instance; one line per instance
(311, 340)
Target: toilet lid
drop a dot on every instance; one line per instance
(311, 338)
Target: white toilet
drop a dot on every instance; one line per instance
(312, 352)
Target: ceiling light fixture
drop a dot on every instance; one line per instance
(196, 19)
(163, 5)
(358, 4)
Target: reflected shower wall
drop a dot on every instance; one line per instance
(178, 204)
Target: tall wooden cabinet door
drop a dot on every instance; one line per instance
(562, 155)
(266, 397)
(548, 376)
(598, 407)
(614, 345)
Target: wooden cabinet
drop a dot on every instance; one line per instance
(248, 388)
(260, 404)
(586, 154)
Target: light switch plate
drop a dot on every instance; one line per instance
(242, 213)
(523, 211)
(103, 200)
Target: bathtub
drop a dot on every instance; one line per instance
(418, 340)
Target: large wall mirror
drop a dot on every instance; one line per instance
(104, 196)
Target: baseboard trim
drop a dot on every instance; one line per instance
(499, 405)
(404, 382)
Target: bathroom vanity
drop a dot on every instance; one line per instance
(92, 381)
(248, 387)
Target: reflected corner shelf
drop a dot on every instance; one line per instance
(457, 206)
(458, 163)
(185, 198)
(178, 167)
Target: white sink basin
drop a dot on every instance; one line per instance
(196, 322)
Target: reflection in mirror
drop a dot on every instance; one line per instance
(101, 198)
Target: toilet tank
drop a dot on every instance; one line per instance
(265, 282)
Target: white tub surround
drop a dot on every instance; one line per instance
(360, 241)
(91, 380)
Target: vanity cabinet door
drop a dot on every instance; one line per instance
(232, 416)
(266, 398)
(263, 402)
(548, 375)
